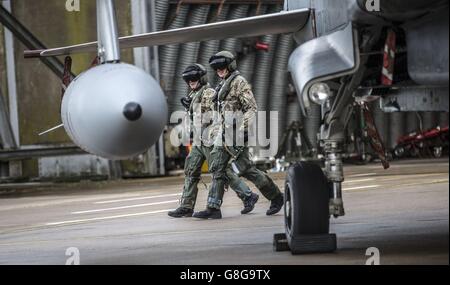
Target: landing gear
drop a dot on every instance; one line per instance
(334, 170)
(313, 195)
(307, 218)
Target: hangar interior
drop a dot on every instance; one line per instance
(30, 91)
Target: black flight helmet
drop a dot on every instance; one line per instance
(195, 72)
(223, 60)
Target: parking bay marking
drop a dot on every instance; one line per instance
(124, 207)
(138, 198)
(105, 218)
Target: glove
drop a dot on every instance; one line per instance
(186, 102)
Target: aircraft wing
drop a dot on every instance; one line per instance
(278, 23)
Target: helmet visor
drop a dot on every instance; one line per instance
(192, 76)
(219, 62)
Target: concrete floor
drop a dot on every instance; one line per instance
(404, 212)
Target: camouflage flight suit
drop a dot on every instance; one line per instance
(235, 95)
(201, 104)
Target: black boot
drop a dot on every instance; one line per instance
(181, 212)
(276, 205)
(249, 203)
(213, 214)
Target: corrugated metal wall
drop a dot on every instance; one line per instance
(266, 70)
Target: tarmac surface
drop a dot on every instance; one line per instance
(402, 212)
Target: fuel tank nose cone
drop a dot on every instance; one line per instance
(115, 110)
(132, 111)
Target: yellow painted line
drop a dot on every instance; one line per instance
(125, 207)
(360, 180)
(106, 218)
(362, 187)
(138, 198)
(362, 175)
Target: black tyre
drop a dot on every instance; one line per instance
(306, 202)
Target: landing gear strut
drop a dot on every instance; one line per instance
(313, 195)
(334, 170)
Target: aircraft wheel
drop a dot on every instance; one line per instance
(307, 217)
(399, 152)
(437, 152)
